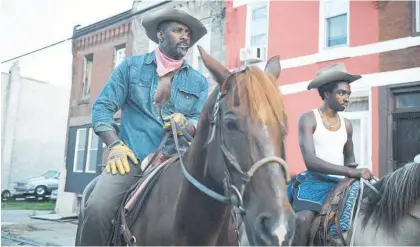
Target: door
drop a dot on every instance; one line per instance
(406, 138)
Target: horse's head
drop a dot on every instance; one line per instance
(247, 129)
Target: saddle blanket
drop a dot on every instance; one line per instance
(309, 190)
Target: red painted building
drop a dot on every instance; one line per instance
(379, 40)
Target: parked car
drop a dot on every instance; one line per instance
(39, 186)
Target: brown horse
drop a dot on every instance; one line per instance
(233, 163)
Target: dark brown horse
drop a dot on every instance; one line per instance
(233, 163)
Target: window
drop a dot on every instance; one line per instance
(87, 74)
(257, 25)
(119, 55)
(92, 153)
(86, 151)
(407, 100)
(80, 149)
(358, 114)
(335, 21)
(204, 42)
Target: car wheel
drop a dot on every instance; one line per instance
(40, 190)
(5, 195)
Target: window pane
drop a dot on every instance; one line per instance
(259, 13)
(337, 30)
(94, 141)
(407, 100)
(80, 160)
(259, 21)
(356, 139)
(82, 139)
(358, 104)
(259, 40)
(92, 161)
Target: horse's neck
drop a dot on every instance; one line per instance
(199, 217)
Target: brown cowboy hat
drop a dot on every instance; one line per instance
(152, 21)
(332, 73)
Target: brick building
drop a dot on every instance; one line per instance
(97, 49)
(378, 39)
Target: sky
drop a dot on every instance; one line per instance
(28, 25)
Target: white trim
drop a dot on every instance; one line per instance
(322, 41)
(417, 7)
(88, 149)
(367, 81)
(348, 52)
(370, 142)
(76, 150)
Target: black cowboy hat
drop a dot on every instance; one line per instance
(152, 21)
(332, 73)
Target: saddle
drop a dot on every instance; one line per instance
(330, 213)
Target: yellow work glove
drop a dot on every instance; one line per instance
(117, 159)
(180, 119)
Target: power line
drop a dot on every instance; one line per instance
(95, 28)
(40, 49)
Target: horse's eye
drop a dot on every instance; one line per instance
(231, 125)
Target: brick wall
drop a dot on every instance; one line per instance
(101, 44)
(396, 21)
(400, 59)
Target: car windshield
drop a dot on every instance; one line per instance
(49, 174)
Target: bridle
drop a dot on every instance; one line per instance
(232, 196)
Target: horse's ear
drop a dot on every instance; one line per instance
(218, 70)
(273, 67)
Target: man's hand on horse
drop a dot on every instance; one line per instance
(118, 159)
(362, 173)
(180, 119)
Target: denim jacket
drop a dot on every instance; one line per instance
(132, 88)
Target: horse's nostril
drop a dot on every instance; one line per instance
(263, 228)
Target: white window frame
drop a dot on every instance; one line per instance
(417, 13)
(117, 58)
(323, 26)
(76, 146)
(365, 118)
(87, 75)
(88, 149)
(250, 8)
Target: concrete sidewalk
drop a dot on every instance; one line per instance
(18, 223)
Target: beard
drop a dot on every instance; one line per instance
(176, 51)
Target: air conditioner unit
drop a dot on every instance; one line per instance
(253, 54)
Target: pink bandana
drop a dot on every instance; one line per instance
(166, 64)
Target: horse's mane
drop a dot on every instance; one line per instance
(398, 192)
(265, 100)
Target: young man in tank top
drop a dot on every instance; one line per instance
(149, 89)
(325, 139)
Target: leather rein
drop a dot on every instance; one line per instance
(233, 196)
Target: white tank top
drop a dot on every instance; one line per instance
(329, 144)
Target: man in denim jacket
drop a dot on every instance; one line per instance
(149, 89)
